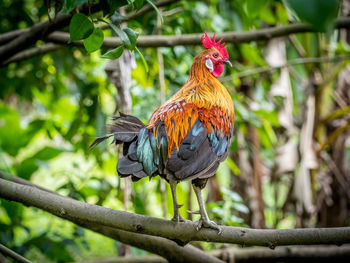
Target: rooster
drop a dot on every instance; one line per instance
(187, 137)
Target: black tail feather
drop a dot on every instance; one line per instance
(99, 140)
(125, 130)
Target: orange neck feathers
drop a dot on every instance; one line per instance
(203, 89)
(203, 97)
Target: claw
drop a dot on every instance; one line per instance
(178, 219)
(208, 224)
(179, 206)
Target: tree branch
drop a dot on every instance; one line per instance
(32, 52)
(158, 245)
(39, 31)
(168, 41)
(8, 36)
(286, 254)
(13, 254)
(233, 254)
(298, 61)
(147, 8)
(195, 39)
(182, 233)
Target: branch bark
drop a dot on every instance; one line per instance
(195, 39)
(286, 254)
(297, 61)
(157, 245)
(182, 233)
(8, 36)
(13, 254)
(33, 52)
(63, 38)
(39, 31)
(17, 40)
(238, 255)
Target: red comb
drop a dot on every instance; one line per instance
(208, 43)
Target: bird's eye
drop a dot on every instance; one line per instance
(215, 55)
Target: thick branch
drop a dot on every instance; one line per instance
(195, 39)
(39, 31)
(167, 41)
(8, 36)
(233, 254)
(158, 245)
(29, 53)
(182, 233)
(286, 254)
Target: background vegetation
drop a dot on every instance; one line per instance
(289, 159)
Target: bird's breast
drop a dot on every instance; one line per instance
(180, 116)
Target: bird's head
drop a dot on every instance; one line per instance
(215, 56)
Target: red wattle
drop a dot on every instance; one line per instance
(218, 69)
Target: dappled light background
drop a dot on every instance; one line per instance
(289, 158)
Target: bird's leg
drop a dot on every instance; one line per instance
(177, 217)
(204, 221)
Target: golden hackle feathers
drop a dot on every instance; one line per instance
(203, 97)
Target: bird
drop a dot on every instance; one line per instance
(187, 137)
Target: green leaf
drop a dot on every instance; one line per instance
(132, 37)
(319, 13)
(123, 36)
(11, 142)
(47, 153)
(80, 27)
(232, 195)
(253, 7)
(234, 168)
(26, 168)
(114, 53)
(240, 207)
(115, 4)
(131, 3)
(54, 250)
(138, 4)
(69, 5)
(156, 9)
(143, 59)
(94, 41)
(13, 210)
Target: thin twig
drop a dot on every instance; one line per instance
(298, 61)
(13, 254)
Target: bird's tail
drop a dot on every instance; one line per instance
(125, 130)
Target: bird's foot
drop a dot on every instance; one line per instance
(178, 218)
(208, 224)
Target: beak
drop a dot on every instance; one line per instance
(227, 62)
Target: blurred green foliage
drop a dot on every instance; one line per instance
(52, 107)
